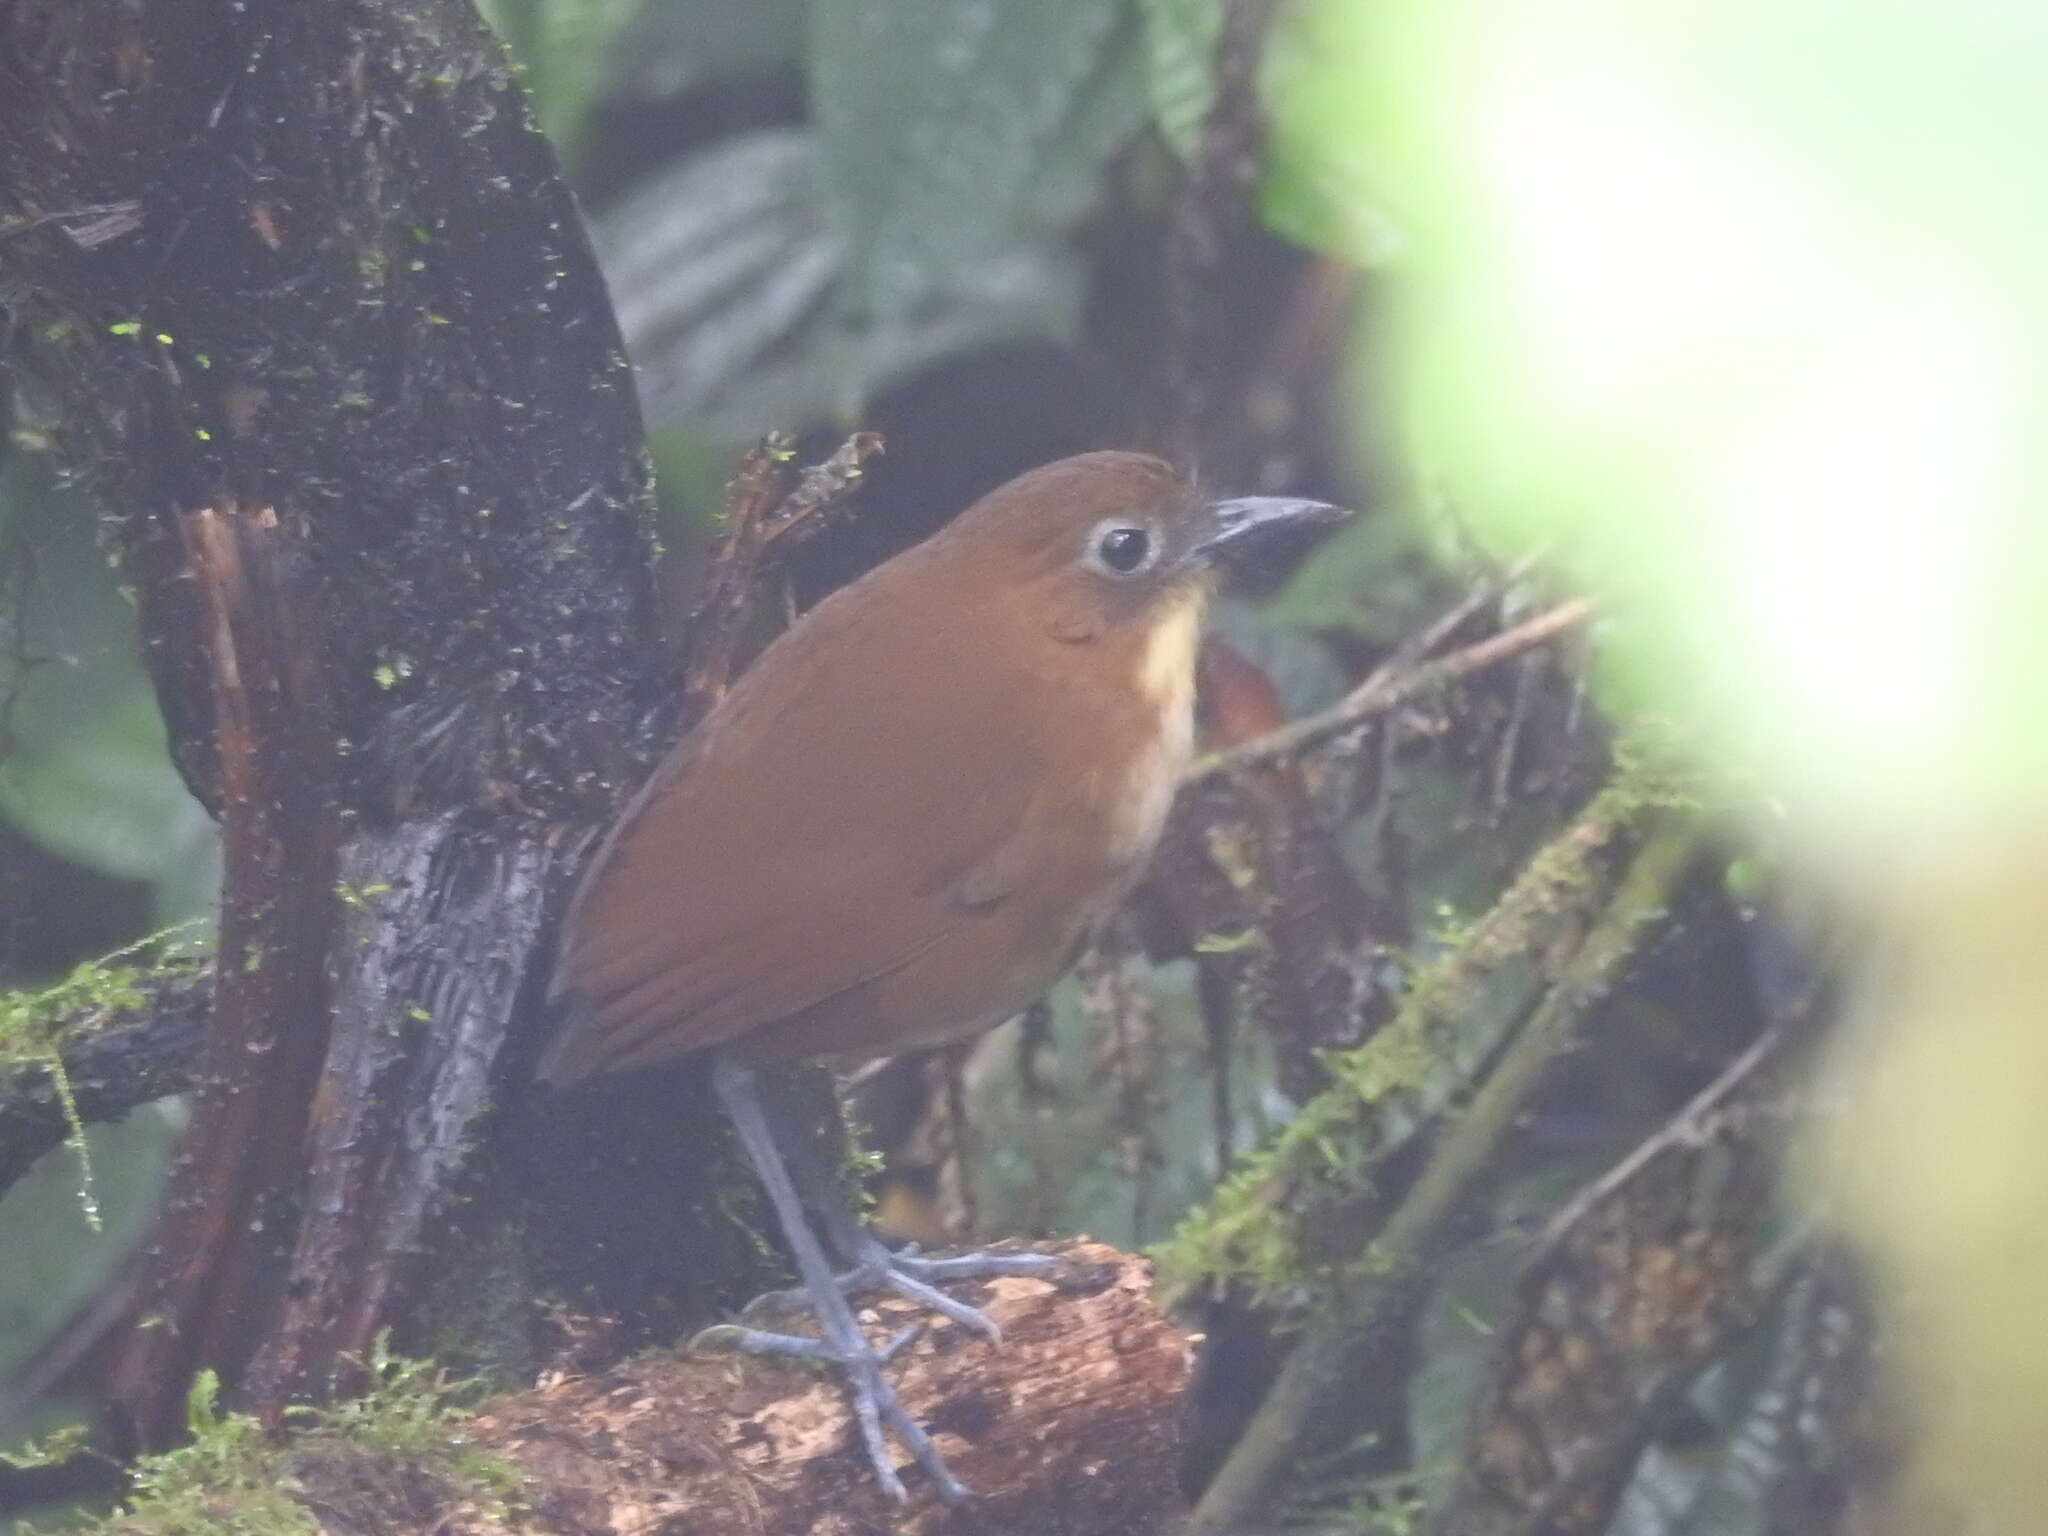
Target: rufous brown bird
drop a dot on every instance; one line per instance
(899, 827)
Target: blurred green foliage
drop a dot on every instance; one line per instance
(1691, 296)
(565, 48)
(948, 131)
(85, 775)
(1740, 308)
(937, 194)
(1181, 37)
(779, 277)
(84, 771)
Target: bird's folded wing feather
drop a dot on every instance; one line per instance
(761, 874)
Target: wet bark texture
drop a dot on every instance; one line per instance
(308, 302)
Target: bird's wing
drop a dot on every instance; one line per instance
(767, 869)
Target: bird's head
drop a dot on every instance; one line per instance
(1109, 542)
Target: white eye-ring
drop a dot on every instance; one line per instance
(1121, 548)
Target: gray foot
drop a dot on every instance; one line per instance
(916, 1278)
(875, 1404)
(840, 1342)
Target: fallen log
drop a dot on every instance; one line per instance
(1069, 1427)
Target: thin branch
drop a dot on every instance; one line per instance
(1437, 633)
(1600, 1339)
(1276, 1212)
(1389, 688)
(112, 1060)
(821, 491)
(763, 527)
(1319, 1366)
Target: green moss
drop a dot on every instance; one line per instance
(229, 1481)
(394, 668)
(1255, 1227)
(479, 1312)
(96, 992)
(393, 1459)
(35, 1024)
(361, 898)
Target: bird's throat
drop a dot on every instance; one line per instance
(1166, 695)
(1166, 664)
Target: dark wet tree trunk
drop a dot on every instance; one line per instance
(312, 308)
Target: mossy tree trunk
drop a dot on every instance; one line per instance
(313, 310)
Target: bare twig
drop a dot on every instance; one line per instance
(1129, 1018)
(88, 224)
(820, 491)
(1278, 1207)
(1320, 1364)
(1389, 688)
(763, 526)
(1603, 1333)
(957, 1200)
(1436, 634)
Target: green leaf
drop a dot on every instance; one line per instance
(202, 1404)
(1319, 189)
(563, 46)
(680, 46)
(949, 129)
(724, 273)
(103, 794)
(86, 771)
(55, 1262)
(1180, 49)
(1373, 577)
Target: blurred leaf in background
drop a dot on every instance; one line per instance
(563, 48)
(1322, 187)
(779, 277)
(87, 782)
(1688, 290)
(726, 273)
(669, 48)
(1180, 48)
(85, 772)
(1066, 1156)
(948, 131)
(56, 1259)
(1744, 305)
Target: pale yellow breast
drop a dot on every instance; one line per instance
(1166, 687)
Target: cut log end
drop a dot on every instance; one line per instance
(1070, 1427)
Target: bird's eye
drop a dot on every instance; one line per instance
(1123, 549)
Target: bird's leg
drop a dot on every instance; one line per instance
(907, 1273)
(874, 1399)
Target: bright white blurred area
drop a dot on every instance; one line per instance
(1744, 310)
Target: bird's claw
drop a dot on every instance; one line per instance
(875, 1403)
(760, 1341)
(916, 1278)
